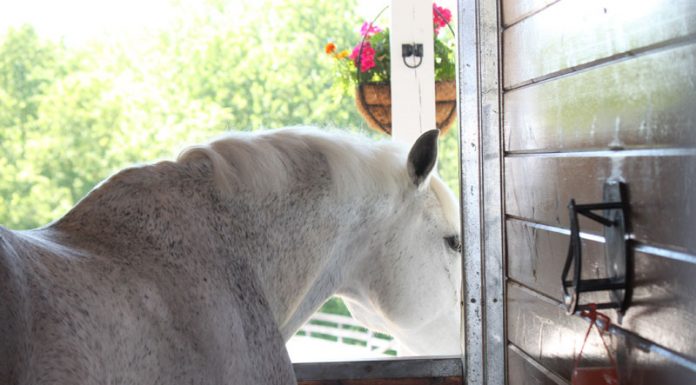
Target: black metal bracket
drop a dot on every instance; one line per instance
(415, 50)
(618, 272)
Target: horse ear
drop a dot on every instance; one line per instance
(423, 157)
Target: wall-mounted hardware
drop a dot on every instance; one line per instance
(412, 50)
(615, 218)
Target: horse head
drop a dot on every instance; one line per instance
(409, 285)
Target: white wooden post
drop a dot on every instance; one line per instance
(412, 89)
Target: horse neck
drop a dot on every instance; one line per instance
(301, 241)
(310, 240)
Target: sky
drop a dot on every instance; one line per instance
(77, 21)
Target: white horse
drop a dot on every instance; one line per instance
(196, 271)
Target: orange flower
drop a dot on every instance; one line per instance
(330, 48)
(343, 54)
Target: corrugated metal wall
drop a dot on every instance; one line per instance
(592, 90)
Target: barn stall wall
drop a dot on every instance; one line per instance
(557, 98)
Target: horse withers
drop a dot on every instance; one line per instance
(196, 271)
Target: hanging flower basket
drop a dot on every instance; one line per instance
(367, 68)
(374, 104)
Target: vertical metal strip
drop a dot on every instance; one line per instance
(481, 187)
(493, 222)
(470, 187)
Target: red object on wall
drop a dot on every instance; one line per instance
(595, 375)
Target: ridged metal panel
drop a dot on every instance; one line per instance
(664, 305)
(516, 10)
(661, 183)
(646, 101)
(539, 327)
(595, 90)
(525, 371)
(572, 35)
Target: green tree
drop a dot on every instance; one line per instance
(266, 65)
(28, 66)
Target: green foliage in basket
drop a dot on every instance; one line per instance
(372, 53)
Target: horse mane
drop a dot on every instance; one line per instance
(264, 161)
(358, 166)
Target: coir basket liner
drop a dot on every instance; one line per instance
(374, 103)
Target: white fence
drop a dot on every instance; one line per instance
(348, 333)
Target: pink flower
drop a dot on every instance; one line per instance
(368, 29)
(367, 64)
(441, 16)
(367, 56)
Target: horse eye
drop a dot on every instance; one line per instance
(454, 243)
